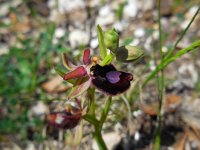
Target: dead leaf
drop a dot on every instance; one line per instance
(54, 85)
(171, 102)
(180, 144)
(19, 26)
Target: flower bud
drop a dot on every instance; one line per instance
(128, 53)
(111, 40)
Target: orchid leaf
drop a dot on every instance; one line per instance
(103, 51)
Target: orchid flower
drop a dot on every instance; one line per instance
(68, 117)
(105, 78)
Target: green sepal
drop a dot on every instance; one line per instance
(103, 50)
(129, 53)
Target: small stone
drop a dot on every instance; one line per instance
(104, 11)
(59, 32)
(131, 9)
(137, 113)
(106, 16)
(191, 12)
(152, 65)
(164, 49)
(147, 5)
(137, 136)
(4, 49)
(94, 43)
(39, 109)
(140, 32)
(155, 35)
(78, 37)
(148, 44)
(120, 25)
(135, 41)
(69, 5)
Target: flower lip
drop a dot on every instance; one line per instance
(109, 80)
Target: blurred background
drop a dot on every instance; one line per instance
(34, 34)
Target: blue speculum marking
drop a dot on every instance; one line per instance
(113, 76)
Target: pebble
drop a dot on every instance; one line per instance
(59, 32)
(94, 43)
(152, 65)
(164, 49)
(188, 17)
(78, 37)
(191, 12)
(69, 5)
(121, 25)
(155, 35)
(140, 32)
(39, 109)
(147, 5)
(188, 70)
(137, 113)
(135, 42)
(4, 49)
(137, 136)
(106, 16)
(131, 9)
(148, 44)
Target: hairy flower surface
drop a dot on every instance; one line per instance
(109, 80)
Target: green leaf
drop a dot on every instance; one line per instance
(103, 51)
(167, 61)
(107, 60)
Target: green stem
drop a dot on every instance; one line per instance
(92, 102)
(91, 119)
(98, 137)
(97, 133)
(165, 62)
(105, 112)
(160, 85)
(182, 35)
(158, 68)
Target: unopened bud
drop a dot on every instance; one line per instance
(129, 53)
(111, 40)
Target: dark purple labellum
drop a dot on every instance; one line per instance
(109, 80)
